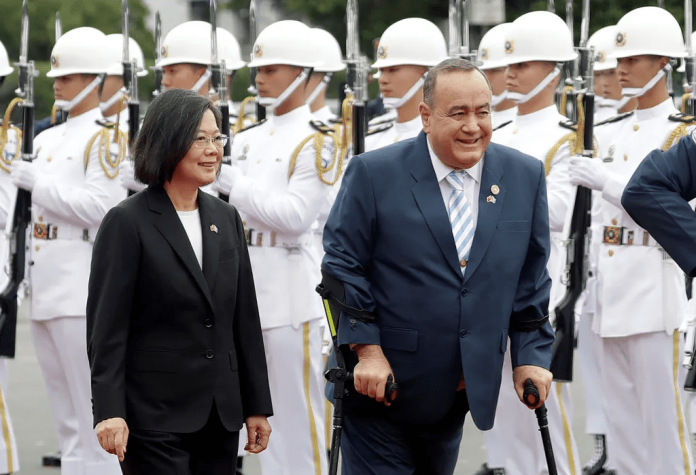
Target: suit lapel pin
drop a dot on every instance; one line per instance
(490, 199)
(495, 189)
(213, 228)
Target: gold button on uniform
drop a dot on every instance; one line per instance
(625, 157)
(40, 218)
(37, 247)
(636, 127)
(614, 221)
(611, 253)
(463, 263)
(48, 159)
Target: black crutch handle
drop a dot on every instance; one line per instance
(531, 394)
(390, 388)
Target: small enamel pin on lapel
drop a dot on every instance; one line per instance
(490, 199)
(213, 228)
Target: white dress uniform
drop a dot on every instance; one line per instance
(498, 118)
(72, 193)
(514, 443)
(9, 459)
(640, 303)
(396, 133)
(325, 115)
(278, 212)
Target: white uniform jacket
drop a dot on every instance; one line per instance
(536, 134)
(278, 212)
(640, 289)
(74, 189)
(398, 132)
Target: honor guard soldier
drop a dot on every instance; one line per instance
(113, 101)
(535, 45)
(491, 55)
(406, 51)
(637, 316)
(330, 62)
(278, 184)
(73, 185)
(10, 140)
(608, 98)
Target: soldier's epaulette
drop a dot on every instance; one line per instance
(616, 118)
(321, 127)
(504, 124)
(105, 123)
(382, 119)
(569, 124)
(379, 128)
(683, 118)
(255, 124)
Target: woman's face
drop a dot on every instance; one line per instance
(200, 165)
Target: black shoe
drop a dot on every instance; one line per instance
(596, 465)
(51, 460)
(240, 463)
(484, 470)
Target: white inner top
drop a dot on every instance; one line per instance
(192, 225)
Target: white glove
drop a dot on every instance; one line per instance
(23, 174)
(127, 175)
(588, 172)
(226, 178)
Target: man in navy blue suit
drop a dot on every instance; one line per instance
(443, 239)
(657, 198)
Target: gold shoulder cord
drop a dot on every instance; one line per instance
(575, 141)
(341, 135)
(676, 135)
(239, 125)
(109, 165)
(5, 164)
(683, 102)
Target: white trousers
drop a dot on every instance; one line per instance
(61, 348)
(590, 350)
(295, 373)
(646, 430)
(515, 444)
(9, 460)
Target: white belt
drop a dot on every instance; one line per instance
(266, 238)
(49, 232)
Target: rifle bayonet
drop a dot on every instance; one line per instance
(59, 27)
(158, 54)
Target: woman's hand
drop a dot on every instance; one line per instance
(113, 436)
(258, 433)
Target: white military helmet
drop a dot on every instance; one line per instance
(5, 68)
(79, 51)
(231, 52)
(187, 43)
(648, 30)
(330, 58)
(284, 42)
(491, 51)
(414, 41)
(539, 36)
(603, 42)
(114, 52)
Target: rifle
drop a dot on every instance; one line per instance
(459, 31)
(577, 245)
(158, 55)
(689, 99)
(130, 80)
(260, 110)
(58, 116)
(219, 87)
(551, 6)
(356, 79)
(568, 96)
(22, 211)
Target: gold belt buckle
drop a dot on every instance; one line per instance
(613, 235)
(45, 231)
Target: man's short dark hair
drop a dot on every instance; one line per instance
(170, 127)
(450, 65)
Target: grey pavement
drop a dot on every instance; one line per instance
(35, 433)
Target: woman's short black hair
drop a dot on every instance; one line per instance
(170, 127)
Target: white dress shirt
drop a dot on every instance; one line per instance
(191, 221)
(472, 183)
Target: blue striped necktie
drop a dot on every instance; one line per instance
(460, 217)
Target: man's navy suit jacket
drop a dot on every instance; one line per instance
(389, 240)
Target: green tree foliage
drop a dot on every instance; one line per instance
(104, 15)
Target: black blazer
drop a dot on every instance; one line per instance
(164, 338)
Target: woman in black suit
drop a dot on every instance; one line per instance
(173, 334)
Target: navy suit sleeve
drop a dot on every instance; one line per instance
(657, 199)
(533, 290)
(348, 237)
